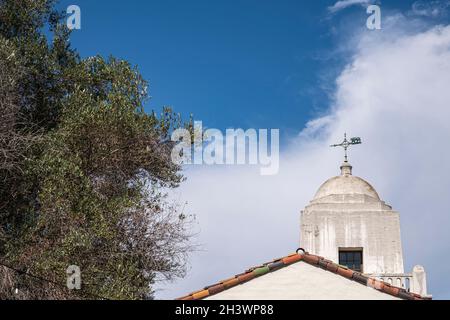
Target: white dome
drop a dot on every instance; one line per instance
(346, 184)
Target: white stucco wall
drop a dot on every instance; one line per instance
(354, 221)
(301, 281)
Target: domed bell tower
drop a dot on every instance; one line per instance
(349, 224)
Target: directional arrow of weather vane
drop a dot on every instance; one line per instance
(346, 144)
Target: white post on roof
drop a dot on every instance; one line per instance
(419, 281)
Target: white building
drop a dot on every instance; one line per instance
(351, 250)
(348, 223)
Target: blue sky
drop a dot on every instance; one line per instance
(262, 64)
(295, 66)
(233, 64)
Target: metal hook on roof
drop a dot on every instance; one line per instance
(301, 249)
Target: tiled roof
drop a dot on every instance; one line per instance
(314, 260)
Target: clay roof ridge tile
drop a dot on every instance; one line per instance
(314, 260)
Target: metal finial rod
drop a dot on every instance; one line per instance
(346, 144)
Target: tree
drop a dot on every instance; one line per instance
(92, 180)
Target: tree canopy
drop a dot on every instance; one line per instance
(84, 169)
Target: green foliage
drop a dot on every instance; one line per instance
(91, 181)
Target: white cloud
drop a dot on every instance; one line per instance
(343, 4)
(395, 95)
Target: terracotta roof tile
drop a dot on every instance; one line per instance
(406, 296)
(231, 283)
(261, 271)
(345, 272)
(292, 259)
(332, 267)
(376, 284)
(310, 259)
(246, 277)
(276, 265)
(323, 263)
(387, 288)
(358, 277)
(216, 289)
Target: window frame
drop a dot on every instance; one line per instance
(347, 251)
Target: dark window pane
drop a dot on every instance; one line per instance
(351, 259)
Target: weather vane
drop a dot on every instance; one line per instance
(346, 144)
